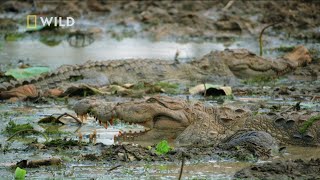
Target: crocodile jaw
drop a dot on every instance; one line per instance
(149, 115)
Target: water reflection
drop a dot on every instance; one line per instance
(103, 49)
(80, 39)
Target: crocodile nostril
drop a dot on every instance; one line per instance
(279, 120)
(308, 137)
(290, 123)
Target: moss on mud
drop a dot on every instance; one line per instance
(12, 128)
(64, 143)
(309, 123)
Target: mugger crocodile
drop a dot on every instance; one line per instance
(227, 64)
(199, 123)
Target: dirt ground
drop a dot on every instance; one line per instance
(187, 19)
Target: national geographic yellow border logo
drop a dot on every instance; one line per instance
(48, 21)
(32, 25)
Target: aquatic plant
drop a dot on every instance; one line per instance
(163, 147)
(285, 48)
(260, 36)
(13, 128)
(14, 36)
(260, 80)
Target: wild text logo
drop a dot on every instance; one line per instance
(48, 21)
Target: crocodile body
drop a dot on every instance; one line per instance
(227, 64)
(197, 122)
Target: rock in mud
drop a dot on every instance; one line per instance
(15, 6)
(297, 169)
(38, 163)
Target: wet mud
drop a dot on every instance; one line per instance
(177, 30)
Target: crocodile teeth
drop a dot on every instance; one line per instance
(81, 118)
(111, 121)
(106, 125)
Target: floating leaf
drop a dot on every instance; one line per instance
(20, 174)
(26, 72)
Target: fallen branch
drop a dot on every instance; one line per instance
(229, 4)
(66, 114)
(305, 95)
(113, 168)
(95, 90)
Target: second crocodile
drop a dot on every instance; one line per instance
(224, 65)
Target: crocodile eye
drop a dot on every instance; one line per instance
(154, 100)
(240, 111)
(151, 100)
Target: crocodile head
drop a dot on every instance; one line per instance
(169, 118)
(245, 64)
(162, 117)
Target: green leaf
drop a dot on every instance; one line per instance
(27, 72)
(163, 147)
(20, 174)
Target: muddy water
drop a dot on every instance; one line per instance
(105, 48)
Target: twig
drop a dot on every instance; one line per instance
(95, 90)
(176, 56)
(134, 154)
(261, 33)
(113, 168)
(66, 114)
(305, 95)
(229, 4)
(26, 130)
(291, 107)
(182, 165)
